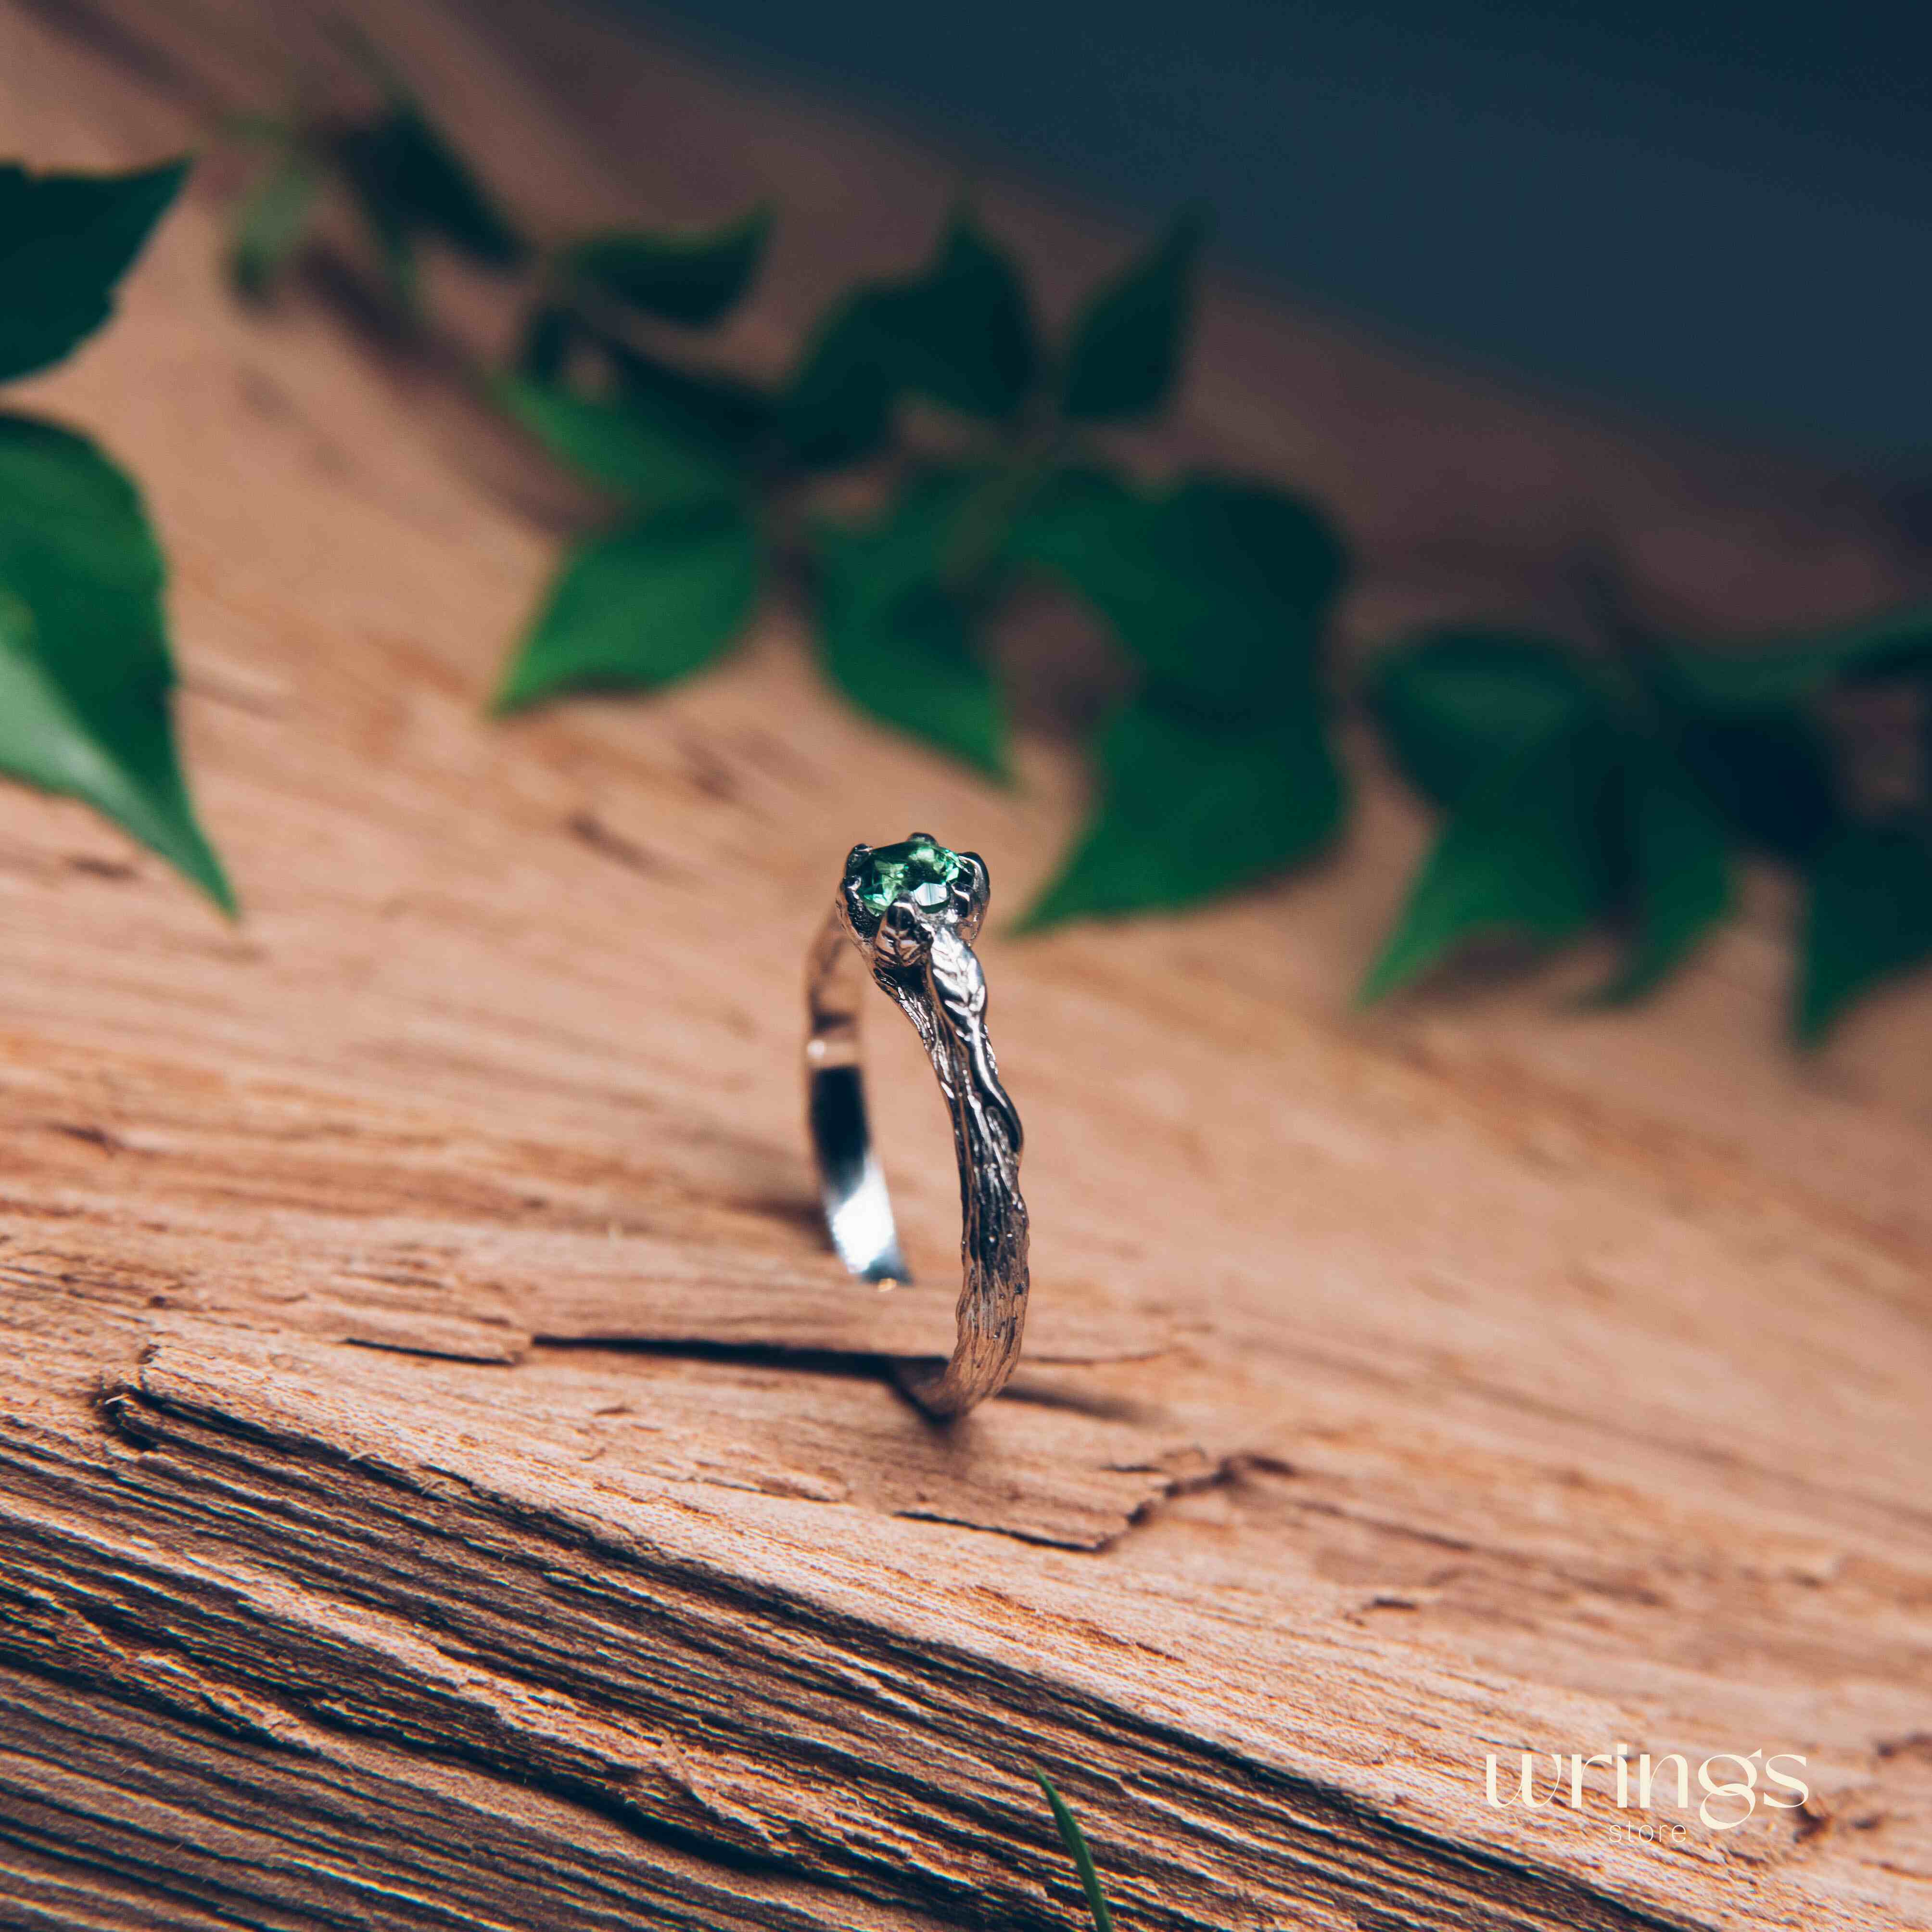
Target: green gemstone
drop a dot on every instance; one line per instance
(919, 871)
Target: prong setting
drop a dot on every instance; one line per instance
(903, 938)
(894, 900)
(972, 893)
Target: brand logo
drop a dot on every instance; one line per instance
(1733, 1783)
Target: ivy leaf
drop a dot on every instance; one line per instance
(405, 163)
(1869, 917)
(1742, 723)
(703, 405)
(1088, 525)
(1526, 852)
(837, 405)
(1193, 807)
(408, 181)
(1771, 776)
(394, 242)
(270, 223)
(641, 607)
(1455, 704)
(908, 660)
(84, 668)
(694, 279)
(1678, 852)
(1220, 587)
(65, 240)
(1458, 708)
(616, 445)
(895, 639)
(1776, 672)
(1125, 352)
(961, 332)
(550, 332)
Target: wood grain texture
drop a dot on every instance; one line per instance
(443, 1481)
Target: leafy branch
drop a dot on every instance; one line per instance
(85, 672)
(1623, 789)
(1617, 786)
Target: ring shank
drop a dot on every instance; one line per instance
(944, 997)
(851, 1184)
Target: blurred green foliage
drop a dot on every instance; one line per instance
(1621, 788)
(86, 674)
(1613, 788)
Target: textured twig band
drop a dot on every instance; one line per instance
(909, 913)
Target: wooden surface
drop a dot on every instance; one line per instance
(443, 1481)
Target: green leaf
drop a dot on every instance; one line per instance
(1191, 807)
(1455, 704)
(394, 239)
(1869, 918)
(961, 331)
(694, 279)
(408, 181)
(65, 240)
(1527, 853)
(1749, 735)
(1783, 670)
(85, 669)
(1075, 1840)
(617, 446)
(640, 608)
(706, 406)
(1089, 526)
(836, 407)
(1463, 711)
(1770, 775)
(1220, 587)
(909, 661)
(1125, 351)
(270, 223)
(895, 639)
(1679, 856)
(550, 332)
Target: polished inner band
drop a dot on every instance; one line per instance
(909, 923)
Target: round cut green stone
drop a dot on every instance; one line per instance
(918, 870)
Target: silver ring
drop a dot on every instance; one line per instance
(909, 913)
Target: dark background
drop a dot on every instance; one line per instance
(1708, 209)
